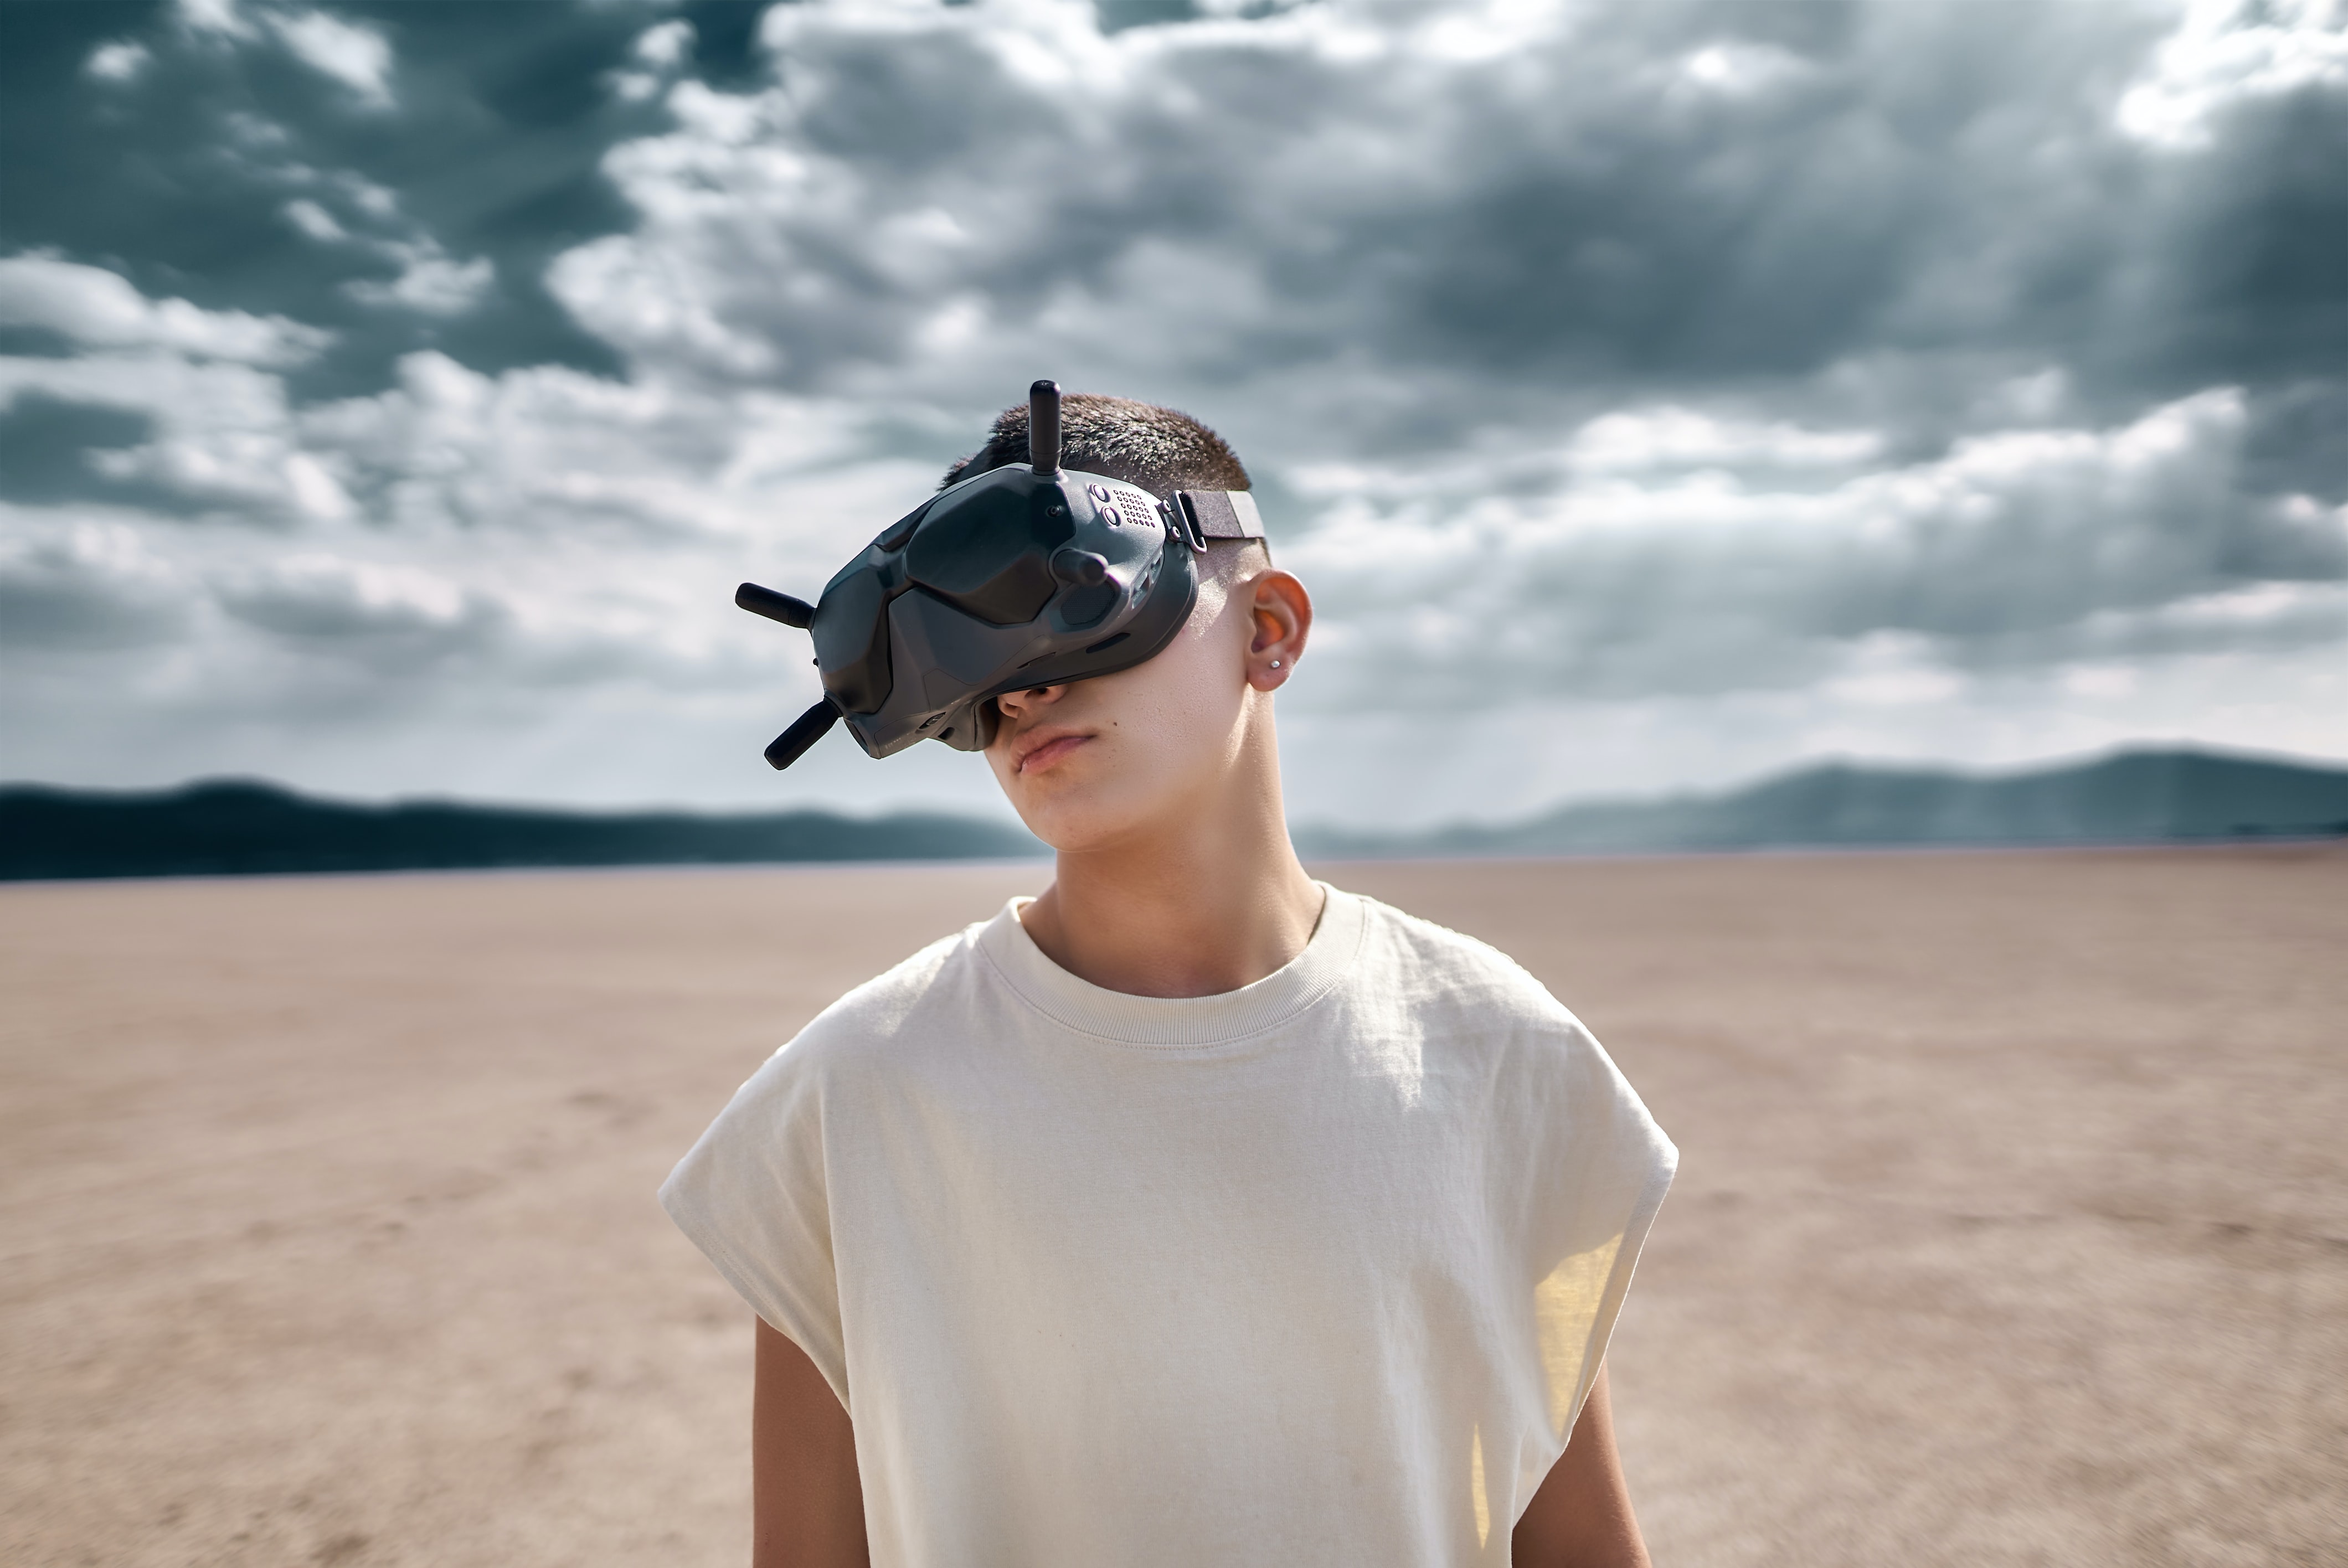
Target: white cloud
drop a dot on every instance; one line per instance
(331, 599)
(358, 57)
(430, 282)
(1739, 69)
(2036, 546)
(1668, 437)
(2225, 51)
(100, 309)
(122, 61)
(549, 450)
(250, 474)
(88, 585)
(224, 442)
(222, 17)
(314, 220)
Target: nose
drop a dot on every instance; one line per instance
(1012, 704)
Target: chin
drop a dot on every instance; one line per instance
(1074, 813)
(1073, 826)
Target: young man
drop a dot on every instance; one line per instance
(1193, 1211)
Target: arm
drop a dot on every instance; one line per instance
(1580, 1517)
(807, 1505)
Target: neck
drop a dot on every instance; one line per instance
(1200, 904)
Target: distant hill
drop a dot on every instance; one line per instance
(2130, 798)
(232, 828)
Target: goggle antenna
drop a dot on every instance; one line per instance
(1044, 428)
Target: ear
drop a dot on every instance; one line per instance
(1279, 618)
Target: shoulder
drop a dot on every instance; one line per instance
(891, 1009)
(1416, 962)
(777, 1112)
(884, 1005)
(1546, 1082)
(858, 1035)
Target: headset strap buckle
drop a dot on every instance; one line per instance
(1202, 517)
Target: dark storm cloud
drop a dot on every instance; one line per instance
(2298, 440)
(1671, 201)
(192, 171)
(1665, 201)
(47, 444)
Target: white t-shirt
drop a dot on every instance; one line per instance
(1314, 1271)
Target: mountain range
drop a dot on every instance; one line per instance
(238, 827)
(230, 827)
(2128, 797)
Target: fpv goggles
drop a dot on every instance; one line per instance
(1021, 576)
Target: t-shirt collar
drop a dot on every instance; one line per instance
(1178, 1022)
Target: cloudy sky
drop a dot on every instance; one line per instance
(1653, 393)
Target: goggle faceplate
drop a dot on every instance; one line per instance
(1007, 580)
(1025, 575)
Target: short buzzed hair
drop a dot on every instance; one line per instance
(1160, 449)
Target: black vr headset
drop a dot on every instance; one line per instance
(1023, 576)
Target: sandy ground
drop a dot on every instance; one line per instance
(2011, 1226)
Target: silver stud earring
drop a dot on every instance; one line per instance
(1276, 664)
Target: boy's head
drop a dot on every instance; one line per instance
(1160, 449)
(1094, 762)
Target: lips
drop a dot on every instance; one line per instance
(1043, 748)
